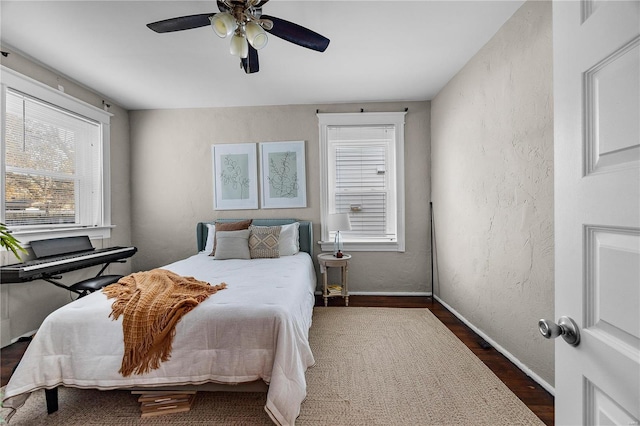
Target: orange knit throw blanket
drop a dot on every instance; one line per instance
(152, 303)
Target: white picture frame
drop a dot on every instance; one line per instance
(235, 176)
(283, 175)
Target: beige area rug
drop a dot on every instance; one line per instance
(374, 366)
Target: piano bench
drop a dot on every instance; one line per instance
(93, 284)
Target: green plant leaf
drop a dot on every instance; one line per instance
(10, 242)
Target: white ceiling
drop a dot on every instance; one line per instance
(379, 50)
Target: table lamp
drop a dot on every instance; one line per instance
(338, 222)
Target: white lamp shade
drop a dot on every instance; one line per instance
(239, 46)
(256, 35)
(223, 24)
(339, 222)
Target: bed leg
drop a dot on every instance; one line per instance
(52, 400)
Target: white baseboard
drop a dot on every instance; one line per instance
(500, 349)
(27, 334)
(390, 293)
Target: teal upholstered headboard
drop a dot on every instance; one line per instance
(306, 231)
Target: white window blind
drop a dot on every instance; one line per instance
(53, 165)
(363, 188)
(362, 174)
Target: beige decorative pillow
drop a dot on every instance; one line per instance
(264, 242)
(229, 226)
(232, 245)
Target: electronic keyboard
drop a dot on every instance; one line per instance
(59, 255)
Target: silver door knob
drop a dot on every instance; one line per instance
(566, 327)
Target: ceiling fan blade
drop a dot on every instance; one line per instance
(181, 23)
(250, 63)
(296, 34)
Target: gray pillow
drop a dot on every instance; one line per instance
(232, 245)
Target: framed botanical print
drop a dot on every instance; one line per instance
(283, 175)
(235, 176)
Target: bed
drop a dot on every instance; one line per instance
(253, 333)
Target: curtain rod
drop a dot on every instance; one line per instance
(362, 110)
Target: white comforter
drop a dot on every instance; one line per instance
(255, 329)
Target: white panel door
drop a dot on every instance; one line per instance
(597, 209)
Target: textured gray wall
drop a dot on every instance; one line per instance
(492, 174)
(173, 184)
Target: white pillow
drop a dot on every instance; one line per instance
(289, 239)
(210, 236)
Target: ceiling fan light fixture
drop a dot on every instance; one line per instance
(243, 21)
(256, 35)
(239, 46)
(223, 24)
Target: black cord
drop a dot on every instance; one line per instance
(433, 285)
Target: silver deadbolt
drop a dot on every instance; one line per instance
(566, 327)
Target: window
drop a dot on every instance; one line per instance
(53, 150)
(362, 174)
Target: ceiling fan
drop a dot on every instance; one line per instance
(244, 22)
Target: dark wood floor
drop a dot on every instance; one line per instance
(532, 394)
